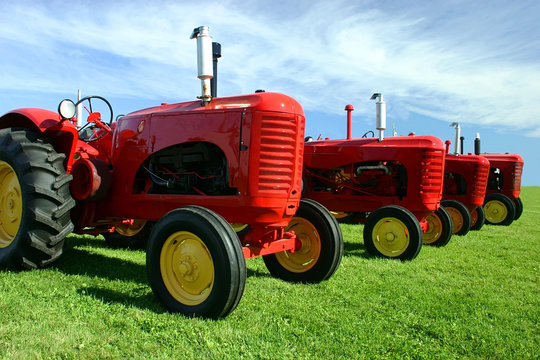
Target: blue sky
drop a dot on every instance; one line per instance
(436, 62)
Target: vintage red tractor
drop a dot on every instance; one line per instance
(392, 184)
(192, 168)
(502, 204)
(465, 181)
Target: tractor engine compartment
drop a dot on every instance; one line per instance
(379, 178)
(196, 168)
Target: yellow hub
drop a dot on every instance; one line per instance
(339, 214)
(238, 227)
(187, 268)
(434, 229)
(306, 257)
(390, 236)
(495, 211)
(10, 204)
(130, 229)
(457, 218)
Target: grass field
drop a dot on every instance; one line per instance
(476, 298)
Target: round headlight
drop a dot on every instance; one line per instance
(66, 109)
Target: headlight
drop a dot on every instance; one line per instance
(66, 109)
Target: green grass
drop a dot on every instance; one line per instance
(476, 298)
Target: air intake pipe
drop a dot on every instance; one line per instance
(380, 114)
(458, 134)
(204, 61)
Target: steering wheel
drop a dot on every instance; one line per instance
(94, 120)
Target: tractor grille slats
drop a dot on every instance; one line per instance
(278, 144)
(433, 167)
(518, 169)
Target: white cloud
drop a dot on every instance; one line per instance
(450, 61)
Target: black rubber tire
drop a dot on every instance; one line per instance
(329, 240)
(464, 214)
(412, 226)
(446, 228)
(229, 276)
(519, 208)
(134, 242)
(506, 202)
(481, 215)
(45, 198)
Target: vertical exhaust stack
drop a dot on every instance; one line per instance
(380, 114)
(348, 109)
(461, 138)
(477, 144)
(204, 61)
(458, 134)
(216, 54)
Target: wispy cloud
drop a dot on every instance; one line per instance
(451, 60)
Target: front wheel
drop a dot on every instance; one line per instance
(461, 217)
(195, 264)
(439, 229)
(393, 232)
(321, 251)
(129, 235)
(478, 218)
(499, 209)
(519, 208)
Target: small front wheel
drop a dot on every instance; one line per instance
(461, 217)
(499, 209)
(321, 251)
(439, 229)
(519, 208)
(478, 218)
(393, 232)
(195, 263)
(130, 236)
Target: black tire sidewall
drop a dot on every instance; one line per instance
(402, 214)
(507, 202)
(465, 214)
(227, 269)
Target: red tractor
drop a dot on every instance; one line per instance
(465, 181)
(391, 184)
(503, 204)
(192, 169)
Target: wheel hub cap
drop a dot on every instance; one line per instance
(187, 268)
(390, 236)
(10, 204)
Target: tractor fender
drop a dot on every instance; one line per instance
(62, 133)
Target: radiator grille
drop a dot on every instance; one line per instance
(278, 148)
(432, 172)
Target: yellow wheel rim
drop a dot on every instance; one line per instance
(238, 227)
(434, 230)
(11, 204)
(390, 236)
(130, 229)
(495, 211)
(339, 214)
(187, 268)
(306, 257)
(474, 217)
(457, 219)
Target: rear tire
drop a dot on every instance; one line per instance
(478, 218)
(195, 264)
(321, 251)
(461, 217)
(393, 232)
(439, 230)
(499, 209)
(519, 208)
(35, 201)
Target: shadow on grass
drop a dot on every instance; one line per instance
(356, 249)
(82, 262)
